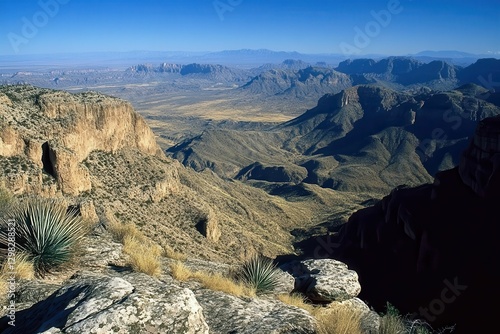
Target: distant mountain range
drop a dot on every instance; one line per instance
(245, 58)
(292, 78)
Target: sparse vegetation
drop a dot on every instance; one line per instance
(392, 322)
(45, 232)
(23, 269)
(333, 319)
(339, 319)
(260, 273)
(212, 281)
(144, 255)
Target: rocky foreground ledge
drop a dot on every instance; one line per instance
(106, 298)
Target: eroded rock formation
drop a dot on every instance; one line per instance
(56, 131)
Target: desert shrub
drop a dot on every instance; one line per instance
(392, 322)
(259, 273)
(45, 232)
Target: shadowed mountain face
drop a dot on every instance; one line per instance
(365, 138)
(432, 250)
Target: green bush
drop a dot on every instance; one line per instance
(259, 273)
(45, 231)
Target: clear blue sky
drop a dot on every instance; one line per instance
(308, 26)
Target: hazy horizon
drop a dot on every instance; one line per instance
(317, 27)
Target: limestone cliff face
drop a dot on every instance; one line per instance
(56, 131)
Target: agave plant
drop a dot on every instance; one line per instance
(259, 273)
(45, 231)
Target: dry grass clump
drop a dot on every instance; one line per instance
(298, 300)
(334, 319)
(5, 199)
(339, 319)
(392, 324)
(212, 281)
(23, 269)
(120, 231)
(144, 255)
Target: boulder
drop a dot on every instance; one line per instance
(133, 303)
(324, 280)
(228, 314)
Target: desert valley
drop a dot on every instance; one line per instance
(217, 196)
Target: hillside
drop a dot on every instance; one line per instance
(365, 138)
(96, 155)
(97, 152)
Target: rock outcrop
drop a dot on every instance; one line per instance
(56, 131)
(134, 303)
(228, 314)
(432, 250)
(324, 280)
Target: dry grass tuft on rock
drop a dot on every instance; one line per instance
(23, 269)
(144, 256)
(212, 281)
(339, 319)
(334, 319)
(298, 300)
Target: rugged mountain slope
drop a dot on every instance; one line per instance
(484, 72)
(287, 64)
(99, 154)
(218, 73)
(308, 82)
(405, 71)
(365, 138)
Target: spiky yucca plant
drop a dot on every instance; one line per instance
(45, 231)
(259, 273)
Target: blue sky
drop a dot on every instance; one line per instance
(308, 26)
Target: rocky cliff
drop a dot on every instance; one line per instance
(57, 131)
